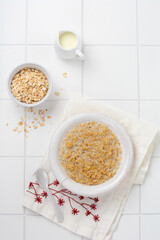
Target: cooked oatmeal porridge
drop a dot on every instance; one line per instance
(90, 153)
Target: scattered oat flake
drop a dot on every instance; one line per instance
(26, 131)
(64, 75)
(34, 122)
(7, 124)
(20, 123)
(57, 93)
(61, 89)
(25, 124)
(15, 129)
(42, 118)
(40, 112)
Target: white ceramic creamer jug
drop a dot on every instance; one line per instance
(68, 45)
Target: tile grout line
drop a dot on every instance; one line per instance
(138, 80)
(97, 99)
(124, 214)
(140, 214)
(41, 156)
(47, 100)
(82, 64)
(85, 44)
(26, 28)
(82, 35)
(138, 91)
(11, 214)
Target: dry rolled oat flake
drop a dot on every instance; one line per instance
(90, 153)
(64, 75)
(57, 93)
(29, 85)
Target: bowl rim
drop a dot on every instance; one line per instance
(82, 189)
(29, 65)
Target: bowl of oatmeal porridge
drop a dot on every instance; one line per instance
(29, 84)
(91, 154)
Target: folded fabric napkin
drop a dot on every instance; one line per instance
(95, 218)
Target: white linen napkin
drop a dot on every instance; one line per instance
(95, 218)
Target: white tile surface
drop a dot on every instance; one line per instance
(128, 228)
(149, 111)
(35, 144)
(110, 72)
(148, 16)
(11, 143)
(47, 18)
(10, 57)
(150, 227)
(109, 22)
(46, 56)
(149, 72)
(11, 185)
(12, 21)
(11, 227)
(150, 194)
(39, 228)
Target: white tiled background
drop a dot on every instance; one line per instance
(122, 67)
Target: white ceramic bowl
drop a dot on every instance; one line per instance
(29, 65)
(94, 190)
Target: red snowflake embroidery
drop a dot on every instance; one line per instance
(93, 206)
(88, 213)
(75, 211)
(96, 218)
(81, 197)
(61, 202)
(73, 198)
(56, 183)
(44, 194)
(38, 199)
(96, 199)
(30, 185)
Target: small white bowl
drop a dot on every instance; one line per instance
(94, 190)
(29, 65)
